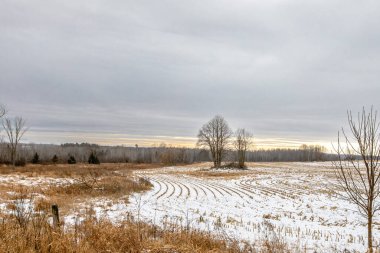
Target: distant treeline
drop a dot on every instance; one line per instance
(302, 154)
(47, 153)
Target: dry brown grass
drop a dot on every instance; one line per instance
(92, 235)
(26, 228)
(78, 183)
(216, 174)
(72, 170)
(274, 247)
(113, 187)
(109, 186)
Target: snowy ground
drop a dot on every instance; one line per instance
(19, 180)
(291, 202)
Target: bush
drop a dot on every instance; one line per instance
(21, 162)
(71, 160)
(233, 166)
(93, 159)
(145, 182)
(36, 158)
(55, 159)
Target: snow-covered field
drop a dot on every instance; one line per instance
(295, 203)
(291, 202)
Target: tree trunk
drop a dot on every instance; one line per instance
(241, 159)
(370, 248)
(13, 158)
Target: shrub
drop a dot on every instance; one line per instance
(21, 162)
(36, 158)
(233, 166)
(145, 182)
(71, 160)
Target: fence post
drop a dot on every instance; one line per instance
(55, 212)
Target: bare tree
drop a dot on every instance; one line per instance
(358, 167)
(242, 144)
(2, 110)
(15, 130)
(215, 135)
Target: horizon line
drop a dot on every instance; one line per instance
(117, 139)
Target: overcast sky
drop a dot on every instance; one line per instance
(125, 72)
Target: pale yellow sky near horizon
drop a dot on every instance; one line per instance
(113, 139)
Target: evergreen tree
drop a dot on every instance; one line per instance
(93, 159)
(71, 160)
(36, 158)
(55, 159)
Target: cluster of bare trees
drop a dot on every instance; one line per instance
(302, 154)
(224, 144)
(217, 136)
(14, 129)
(165, 154)
(50, 153)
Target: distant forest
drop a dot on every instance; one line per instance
(48, 153)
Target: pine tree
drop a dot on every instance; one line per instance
(93, 159)
(71, 160)
(36, 158)
(55, 159)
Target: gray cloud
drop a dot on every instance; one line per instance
(286, 69)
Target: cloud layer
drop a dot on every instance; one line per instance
(284, 69)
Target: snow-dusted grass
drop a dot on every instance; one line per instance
(292, 202)
(295, 203)
(69, 186)
(25, 215)
(21, 180)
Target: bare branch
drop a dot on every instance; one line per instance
(357, 168)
